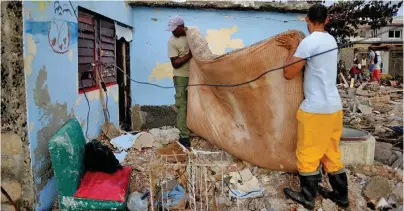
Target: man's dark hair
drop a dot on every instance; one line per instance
(317, 13)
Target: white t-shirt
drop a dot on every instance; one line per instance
(379, 60)
(319, 86)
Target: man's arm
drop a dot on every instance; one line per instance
(293, 64)
(177, 62)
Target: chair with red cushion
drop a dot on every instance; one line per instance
(78, 189)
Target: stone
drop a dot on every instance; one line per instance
(398, 190)
(392, 200)
(329, 205)
(398, 164)
(382, 203)
(361, 176)
(382, 108)
(364, 109)
(165, 135)
(383, 152)
(246, 175)
(392, 159)
(377, 99)
(377, 188)
(13, 189)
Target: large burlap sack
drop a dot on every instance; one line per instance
(255, 122)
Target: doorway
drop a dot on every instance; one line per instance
(123, 62)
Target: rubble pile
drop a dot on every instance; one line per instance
(242, 186)
(378, 110)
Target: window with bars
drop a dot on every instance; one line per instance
(96, 51)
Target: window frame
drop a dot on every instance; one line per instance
(91, 39)
(394, 34)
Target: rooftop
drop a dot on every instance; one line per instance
(294, 6)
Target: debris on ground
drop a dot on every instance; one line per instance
(214, 180)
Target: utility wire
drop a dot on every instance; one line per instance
(262, 74)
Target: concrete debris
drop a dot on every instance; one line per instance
(364, 109)
(377, 188)
(382, 204)
(165, 135)
(392, 200)
(398, 190)
(143, 140)
(329, 205)
(110, 131)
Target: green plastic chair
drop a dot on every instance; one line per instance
(66, 149)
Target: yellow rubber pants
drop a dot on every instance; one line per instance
(318, 141)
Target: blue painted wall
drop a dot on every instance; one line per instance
(149, 49)
(51, 71)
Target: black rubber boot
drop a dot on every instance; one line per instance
(185, 142)
(309, 187)
(339, 193)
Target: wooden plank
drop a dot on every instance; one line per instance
(108, 53)
(86, 52)
(85, 18)
(85, 68)
(107, 40)
(85, 27)
(86, 60)
(108, 59)
(107, 24)
(86, 36)
(108, 32)
(106, 46)
(83, 43)
(109, 79)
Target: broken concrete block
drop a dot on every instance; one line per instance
(398, 190)
(377, 188)
(144, 140)
(382, 99)
(165, 135)
(364, 109)
(382, 204)
(358, 152)
(246, 175)
(383, 152)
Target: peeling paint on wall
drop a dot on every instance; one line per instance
(53, 116)
(161, 71)
(31, 52)
(71, 56)
(31, 126)
(220, 40)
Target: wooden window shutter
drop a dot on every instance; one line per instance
(107, 44)
(86, 50)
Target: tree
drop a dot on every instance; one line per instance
(345, 17)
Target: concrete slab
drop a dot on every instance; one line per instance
(357, 152)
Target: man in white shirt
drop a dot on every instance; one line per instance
(320, 114)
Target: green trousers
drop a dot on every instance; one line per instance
(181, 100)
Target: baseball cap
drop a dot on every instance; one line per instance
(174, 22)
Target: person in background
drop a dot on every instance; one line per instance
(377, 67)
(180, 54)
(371, 63)
(356, 71)
(319, 117)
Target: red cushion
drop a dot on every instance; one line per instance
(103, 186)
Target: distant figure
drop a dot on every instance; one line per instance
(372, 55)
(356, 71)
(377, 67)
